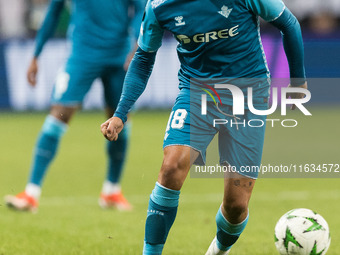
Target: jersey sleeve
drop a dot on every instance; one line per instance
(293, 46)
(151, 33)
(269, 10)
(49, 25)
(135, 81)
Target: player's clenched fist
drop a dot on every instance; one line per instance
(111, 128)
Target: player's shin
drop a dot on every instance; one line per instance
(161, 214)
(46, 148)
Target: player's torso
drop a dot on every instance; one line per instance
(217, 38)
(101, 27)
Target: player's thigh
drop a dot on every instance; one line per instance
(187, 127)
(73, 81)
(113, 80)
(241, 146)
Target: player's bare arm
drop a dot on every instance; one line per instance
(46, 31)
(32, 72)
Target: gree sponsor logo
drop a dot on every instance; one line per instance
(210, 36)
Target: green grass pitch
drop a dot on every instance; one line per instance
(69, 220)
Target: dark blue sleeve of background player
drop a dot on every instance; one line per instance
(49, 25)
(293, 46)
(135, 81)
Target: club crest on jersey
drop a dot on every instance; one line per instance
(225, 11)
(179, 20)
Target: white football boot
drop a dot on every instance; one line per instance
(214, 250)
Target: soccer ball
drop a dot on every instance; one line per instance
(302, 232)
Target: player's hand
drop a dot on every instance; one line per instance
(296, 95)
(111, 128)
(32, 72)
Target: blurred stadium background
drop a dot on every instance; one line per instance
(69, 220)
(20, 20)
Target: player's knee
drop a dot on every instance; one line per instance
(175, 167)
(173, 163)
(172, 173)
(169, 167)
(234, 209)
(63, 113)
(54, 127)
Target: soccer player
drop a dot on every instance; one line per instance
(217, 40)
(101, 48)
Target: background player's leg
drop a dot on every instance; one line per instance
(54, 127)
(116, 152)
(164, 198)
(111, 195)
(232, 216)
(72, 84)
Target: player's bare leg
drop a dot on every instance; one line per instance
(63, 113)
(237, 193)
(111, 195)
(54, 127)
(232, 217)
(163, 201)
(175, 167)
